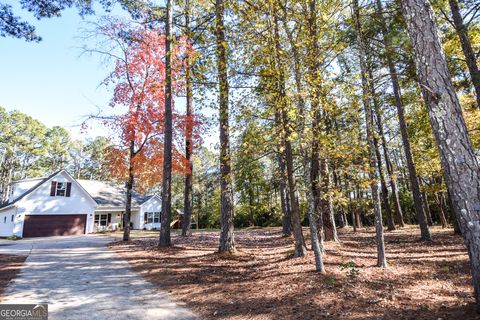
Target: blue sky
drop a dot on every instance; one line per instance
(51, 80)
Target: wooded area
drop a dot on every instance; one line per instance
(330, 114)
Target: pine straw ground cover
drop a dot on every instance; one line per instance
(263, 281)
(9, 267)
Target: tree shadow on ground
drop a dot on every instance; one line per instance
(424, 281)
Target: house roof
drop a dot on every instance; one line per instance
(105, 194)
(26, 193)
(108, 194)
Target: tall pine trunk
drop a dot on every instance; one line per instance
(338, 187)
(300, 103)
(378, 156)
(165, 240)
(284, 199)
(312, 178)
(326, 220)
(388, 165)
(412, 172)
(326, 203)
(460, 165)
(313, 197)
(227, 241)
(367, 102)
(428, 213)
(187, 196)
(350, 194)
(281, 108)
(300, 248)
(6, 173)
(470, 57)
(441, 210)
(383, 186)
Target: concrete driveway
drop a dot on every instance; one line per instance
(81, 279)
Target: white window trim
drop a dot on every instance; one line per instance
(153, 217)
(98, 222)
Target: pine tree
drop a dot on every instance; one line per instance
(227, 241)
(460, 165)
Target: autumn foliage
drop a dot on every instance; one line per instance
(138, 86)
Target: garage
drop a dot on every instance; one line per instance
(54, 225)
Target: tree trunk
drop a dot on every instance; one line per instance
(287, 219)
(165, 240)
(384, 189)
(358, 219)
(383, 184)
(338, 187)
(467, 49)
(300, 248)
(428, 213)
(412, 172)
(352, 214)
(128, 198)
(7, 168)
(283, 181)
(284, 199)
(187, 197)
(453, 216)
(251, 203)
(313, 196)
(441, 210)
(381, 259)
(312, 178)
(227, 241)
(389, 166)
(358, 214)
(460, 165)
(319, 177)
(316, 225)
(329, 227)
(350, 204)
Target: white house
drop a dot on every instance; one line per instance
(62, 205)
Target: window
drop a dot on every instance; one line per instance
(103, 219)
(61, 189)
(149, 217)
(152, 217)
(12, 217)
(5, 219)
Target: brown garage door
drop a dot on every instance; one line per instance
(54, 225)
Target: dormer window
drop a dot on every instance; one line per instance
(60, 189)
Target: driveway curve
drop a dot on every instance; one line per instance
(80, 278)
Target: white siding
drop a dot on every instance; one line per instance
(137, 220)
(9, 227)
(20, 187)
(116, 219)
(152, 205)
(40, 202)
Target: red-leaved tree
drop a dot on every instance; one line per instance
(138, 87)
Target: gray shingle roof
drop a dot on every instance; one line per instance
(108, 194)
(105, 194)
